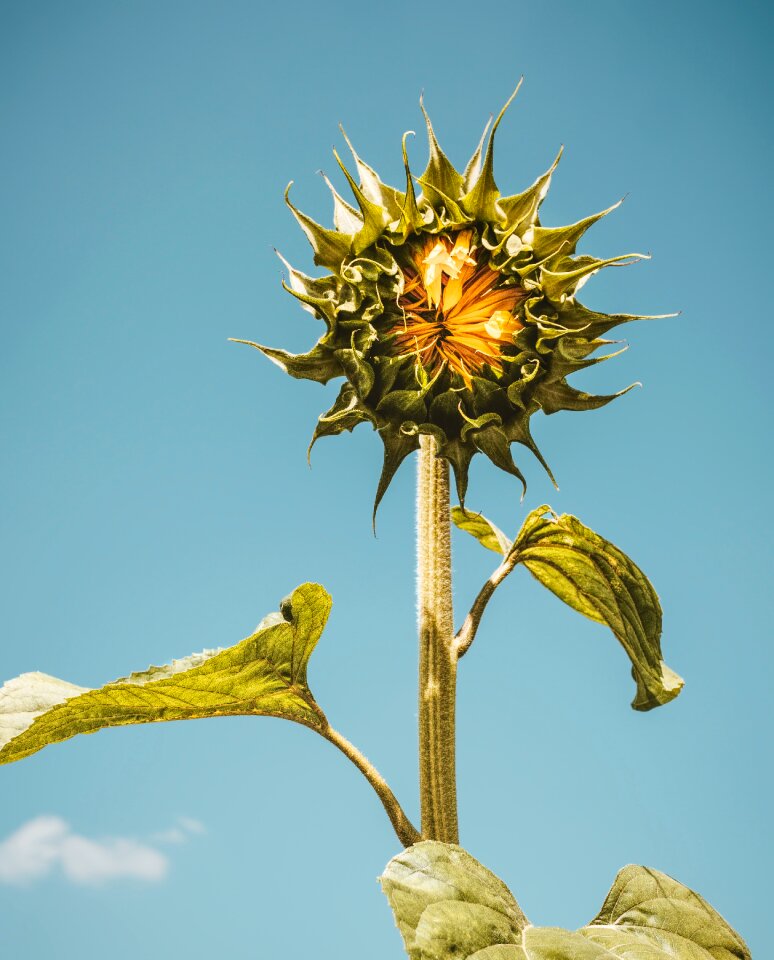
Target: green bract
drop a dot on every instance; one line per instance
(522, 355)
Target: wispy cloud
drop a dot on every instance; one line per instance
(48, 843)
(185, 829)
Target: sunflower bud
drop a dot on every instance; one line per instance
(450, 312)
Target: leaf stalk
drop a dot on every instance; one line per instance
(467, 632)
(404, 828)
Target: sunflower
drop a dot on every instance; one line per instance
(450, 311)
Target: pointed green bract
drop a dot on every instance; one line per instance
(345, 218)
(448, 906)
(480, 203)
(441, 183)
(372, 186)
(594, 577)
(263, 675)
(330, 247)
(319, 364)
(473, 169)
(377, 241)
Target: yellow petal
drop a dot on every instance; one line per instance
(460, 254)
(452, 293)
(498, 322)
(433, 284)
(432, 271)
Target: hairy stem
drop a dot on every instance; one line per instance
(407, 833)
(437, 656)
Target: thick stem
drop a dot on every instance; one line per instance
(404, 828)
(437, 656)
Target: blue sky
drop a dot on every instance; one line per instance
(155, 498)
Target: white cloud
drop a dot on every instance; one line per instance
(191, 825)
(173, 835)
(47, 843)
(186, 827)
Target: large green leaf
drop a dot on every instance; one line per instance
(443, 898)
(649, 908)
(594, 577)
(448, 906)
(264, 674)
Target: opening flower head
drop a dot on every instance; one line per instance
(455, 312)
(450, 311)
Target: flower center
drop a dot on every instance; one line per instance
(454, 313)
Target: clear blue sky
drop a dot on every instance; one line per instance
(155, 500)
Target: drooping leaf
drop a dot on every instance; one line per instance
(263, 675)
(448, 906)
(594, 577)
(598, 580)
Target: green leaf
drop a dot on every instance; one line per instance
(594, 577)
(448, 906)
(650, 909)
(263, 675)
(477, 525)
